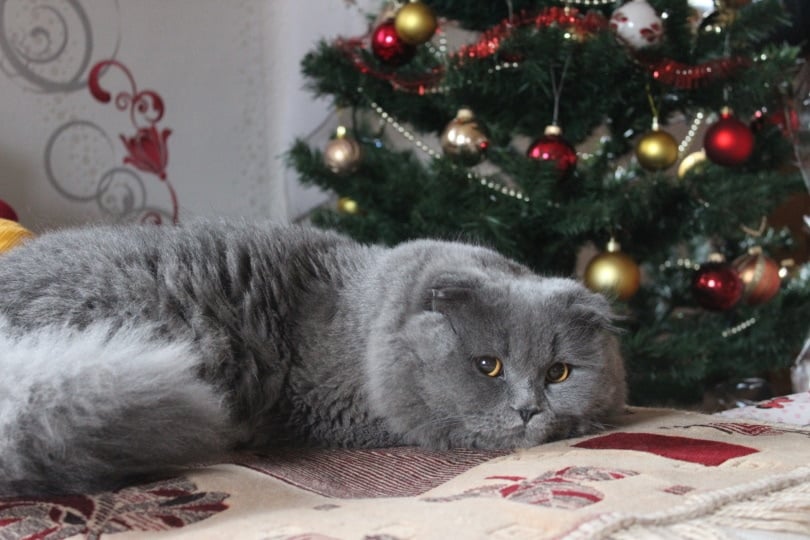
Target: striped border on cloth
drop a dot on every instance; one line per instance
(368, 473)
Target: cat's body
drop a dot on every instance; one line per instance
(126, 351)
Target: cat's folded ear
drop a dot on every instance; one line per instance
(594, 310)
(443, 298)
(447, 292)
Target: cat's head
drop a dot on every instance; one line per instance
(475, 351)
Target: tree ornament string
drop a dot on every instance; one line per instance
(551, 147)
(656, 150)
(651, 101)
(556, 88)
(759, 231)
(510, 9)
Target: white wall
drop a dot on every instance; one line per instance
(228, 76)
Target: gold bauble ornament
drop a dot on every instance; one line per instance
(415, 23)
(760, 276)
(12, 234)
(347, 205)
(693, 162)
(463, 139)
(342, 154)
(656, 150)
(613, 273)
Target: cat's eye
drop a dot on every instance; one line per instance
(490, 366)
(558, 372)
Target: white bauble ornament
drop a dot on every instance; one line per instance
(637, 24)
(702, 7)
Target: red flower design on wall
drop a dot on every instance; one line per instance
(147, 149)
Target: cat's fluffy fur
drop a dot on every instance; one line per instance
(129, 350)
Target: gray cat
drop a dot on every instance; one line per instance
(127, 351)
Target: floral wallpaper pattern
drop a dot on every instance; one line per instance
(231, 101)
(50, 47)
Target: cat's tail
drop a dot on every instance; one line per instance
(89, 410)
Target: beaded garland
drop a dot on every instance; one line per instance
(404, 132)
(589, 3)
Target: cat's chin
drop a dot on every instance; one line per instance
(491, 436)
(528, 439)
(483, 439)
(499, 435)
(532, 434)
(519, 436)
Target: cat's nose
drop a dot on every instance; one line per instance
(528, 413)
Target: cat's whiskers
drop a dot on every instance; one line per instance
(485, 430)
(441, 421)
(437, 423)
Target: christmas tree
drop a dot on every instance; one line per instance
(639, 146)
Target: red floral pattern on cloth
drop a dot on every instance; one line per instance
(703, 451)
(555, 489)
(793, 409)
(750, 430)
(679, 489)
(168, 504)
(776, 403)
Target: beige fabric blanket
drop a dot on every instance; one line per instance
(654, 472)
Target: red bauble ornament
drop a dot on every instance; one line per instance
(552, 147)
(7, 212)
(787, 119)
(728, 141)
(389, 48)
(717, 286)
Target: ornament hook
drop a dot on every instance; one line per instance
(556, 88)
(759, 231)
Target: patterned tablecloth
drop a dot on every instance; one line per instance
(794, 409)
(660, 473)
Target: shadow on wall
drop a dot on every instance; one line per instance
(13, 186)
